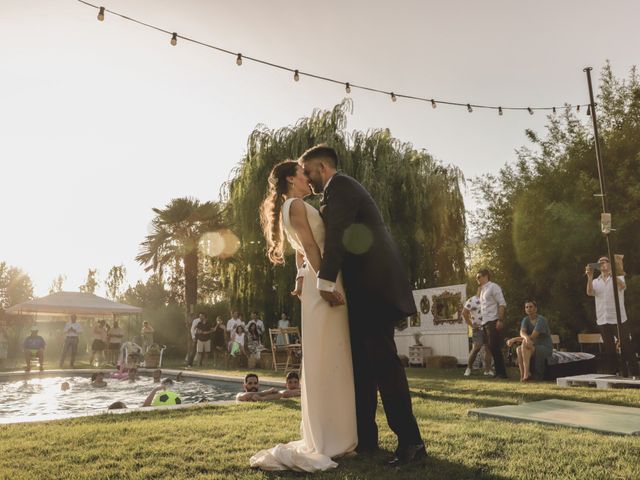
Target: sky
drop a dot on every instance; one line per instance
(102, 121)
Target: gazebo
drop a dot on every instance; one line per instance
(67, 303)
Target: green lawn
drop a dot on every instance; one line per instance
(216, 441)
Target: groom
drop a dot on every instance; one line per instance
(378, 295)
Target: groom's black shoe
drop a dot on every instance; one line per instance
(367, 449)
(408, 454)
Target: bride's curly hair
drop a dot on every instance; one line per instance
(271, 207)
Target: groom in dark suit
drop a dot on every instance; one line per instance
(376, 284)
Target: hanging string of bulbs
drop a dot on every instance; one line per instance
(348, 86)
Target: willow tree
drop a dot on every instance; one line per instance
(419, 197)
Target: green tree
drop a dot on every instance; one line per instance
(115, 280)
(58, 284)
(90, 283)
(419, 198)
(174, 241)
(539, 221)
(15, 286)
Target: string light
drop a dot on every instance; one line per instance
(530, 111)
(296, 76)
(500, 111)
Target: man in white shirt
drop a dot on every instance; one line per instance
(71, 331)
(492, 310)
(602, 289)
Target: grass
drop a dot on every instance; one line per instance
(215, 441)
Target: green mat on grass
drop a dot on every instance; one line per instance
(591, 416)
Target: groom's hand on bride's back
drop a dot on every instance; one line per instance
(334, 298)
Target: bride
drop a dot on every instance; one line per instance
(328, 424)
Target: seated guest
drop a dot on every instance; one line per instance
(293, 386)
(130, 354)
(535, 336)
(252, 391)
(156, 375)
(254, 343)
(162, 395)
(236, 346)
(34, 346)
(97, 380)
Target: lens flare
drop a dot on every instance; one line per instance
(357, 239)
(222, 243)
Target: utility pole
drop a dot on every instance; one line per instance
(607, 231)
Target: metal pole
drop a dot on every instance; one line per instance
(603, 195)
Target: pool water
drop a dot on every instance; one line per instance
(41, 398)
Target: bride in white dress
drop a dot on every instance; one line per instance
(328, 426)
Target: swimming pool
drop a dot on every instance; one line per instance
(35, 398)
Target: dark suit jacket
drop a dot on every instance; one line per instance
(358, 243)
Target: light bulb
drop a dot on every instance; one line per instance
(433, 103)
(393, 97)
(239, 59)
(500, 111)
(469, 109)
(174, 39)
(101, 14)
(530, 111)
(347, 87)
(296, 76)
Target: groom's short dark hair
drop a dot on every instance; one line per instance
(321, 151)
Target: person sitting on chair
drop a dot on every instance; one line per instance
(236, 347)
(34, 346)
(535, 337)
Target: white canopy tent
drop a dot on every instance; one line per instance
(67, 303)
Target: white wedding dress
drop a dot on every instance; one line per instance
(328, 424)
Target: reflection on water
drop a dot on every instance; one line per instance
(42, 398)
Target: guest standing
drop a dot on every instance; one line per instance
(71, 331)
(492, 310)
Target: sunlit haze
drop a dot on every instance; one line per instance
(101, 121)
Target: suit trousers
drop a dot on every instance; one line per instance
(376, 366)
(493, 337)
(608, 332)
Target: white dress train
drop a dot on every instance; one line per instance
(328, 424)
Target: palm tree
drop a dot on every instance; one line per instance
(175, 236)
